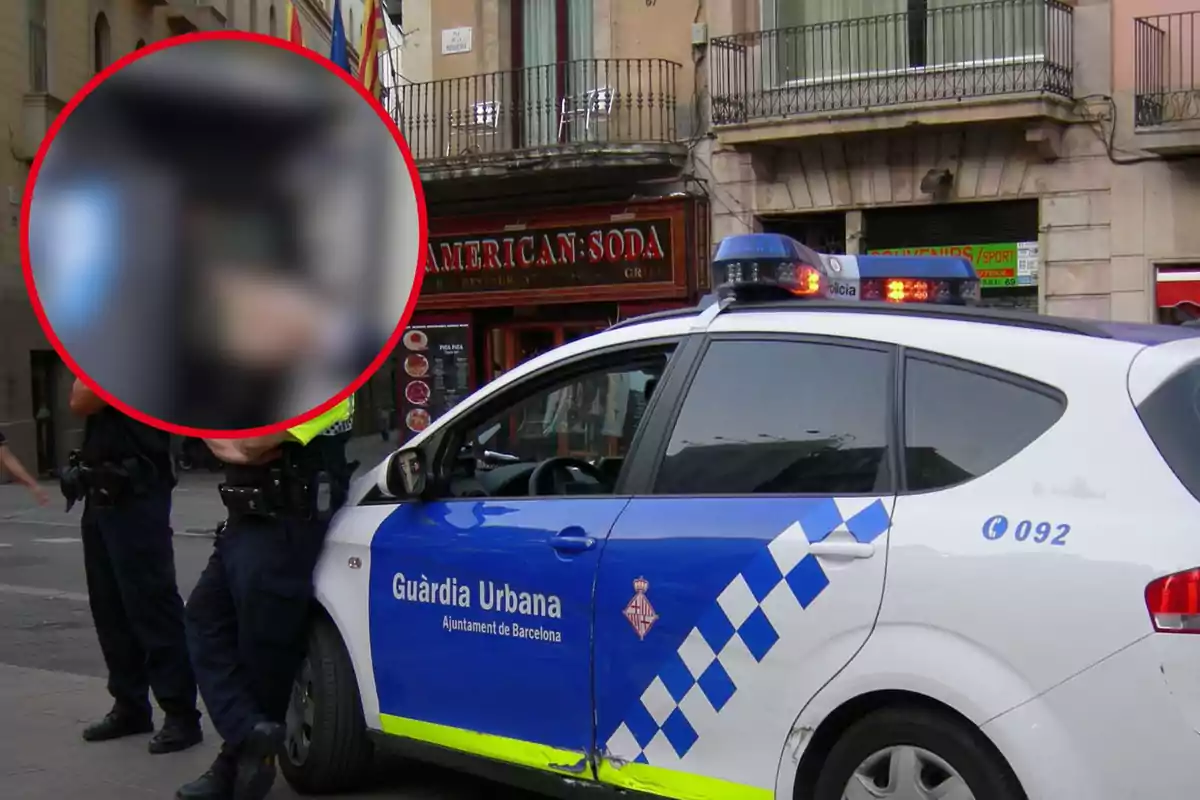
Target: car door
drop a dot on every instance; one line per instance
(748, 569)
(481, 600)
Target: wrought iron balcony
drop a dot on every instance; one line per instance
(1166, 73)
(586, 106)
(975, 50)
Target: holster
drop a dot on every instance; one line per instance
(289, 490)
(106, 483)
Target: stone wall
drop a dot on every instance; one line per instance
(1080, 275)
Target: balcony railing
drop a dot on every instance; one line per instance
(999, 47)
(1166, 88)
(605, 101)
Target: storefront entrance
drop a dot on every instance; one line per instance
(501, 289)
(514, 344)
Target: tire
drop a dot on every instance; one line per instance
(932, 737)
(339, 752)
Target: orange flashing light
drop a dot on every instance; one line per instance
(905, 290)
(808, 281)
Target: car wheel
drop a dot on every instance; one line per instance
(326, 748)
(914, 754)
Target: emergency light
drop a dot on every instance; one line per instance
(768, 265)
(771, 266)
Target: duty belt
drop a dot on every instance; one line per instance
(313, 497)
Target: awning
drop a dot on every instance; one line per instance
(1177, 287)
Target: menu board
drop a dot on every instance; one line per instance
(434, 374)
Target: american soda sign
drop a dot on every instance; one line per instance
(632, 252)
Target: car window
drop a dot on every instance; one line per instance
(1171, 415)
(590, 415)
(779, 417)
(960, 423)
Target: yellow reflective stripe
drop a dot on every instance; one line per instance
(499, 748)
(638, 777)
(306, 432)
(678, 785)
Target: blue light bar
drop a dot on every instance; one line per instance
(771, 266)
(933, 268)
(755, 246)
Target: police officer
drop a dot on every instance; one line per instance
(248, 615)
(124, 474)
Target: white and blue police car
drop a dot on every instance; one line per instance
(785, 546)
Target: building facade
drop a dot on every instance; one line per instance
(553, 140)
(1053, 141)
(48, 50)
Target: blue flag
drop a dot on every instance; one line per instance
(338, 51)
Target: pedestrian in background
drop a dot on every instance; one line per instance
(247, 618)
(18, 471)
(124, 473)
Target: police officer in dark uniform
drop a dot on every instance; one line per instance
(123, 474)
(247, 618)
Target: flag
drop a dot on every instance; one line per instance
(295, 33)
(338, 50)
(371, 47)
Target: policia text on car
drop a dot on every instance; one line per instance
(247, 616)
(123, 475)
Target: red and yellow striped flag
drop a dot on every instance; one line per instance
(372, 46)
(295, 33)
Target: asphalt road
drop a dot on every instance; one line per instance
(52, 674)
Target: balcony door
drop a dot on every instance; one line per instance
(553, 52)
(818, 42)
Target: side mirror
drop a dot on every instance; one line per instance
(406, 474)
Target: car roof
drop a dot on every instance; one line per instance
(1134, 333)
(1030, 344)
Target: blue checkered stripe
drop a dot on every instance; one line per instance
(736, 633)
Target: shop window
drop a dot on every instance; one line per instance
(960, 424)
(1177, 294)
(755, 421)
(1001, 239)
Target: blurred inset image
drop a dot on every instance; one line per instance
(224, 234)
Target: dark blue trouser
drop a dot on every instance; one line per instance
(247, 620)
(129, 558)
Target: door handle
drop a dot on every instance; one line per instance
(572, 540)
(842, 549)
(572, 544)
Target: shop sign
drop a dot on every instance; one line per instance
(998, 265)
(612, 254)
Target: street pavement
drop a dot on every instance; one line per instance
(52, 673)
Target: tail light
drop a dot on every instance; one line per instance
(1174, 602)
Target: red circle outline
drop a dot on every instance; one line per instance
(422, 236)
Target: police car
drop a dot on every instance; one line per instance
(785, 547)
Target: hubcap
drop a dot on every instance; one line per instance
(906, 773)
(300, 714)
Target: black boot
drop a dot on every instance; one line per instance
(177, 733)
(256, 761)
(118, 724)
(215, 784)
